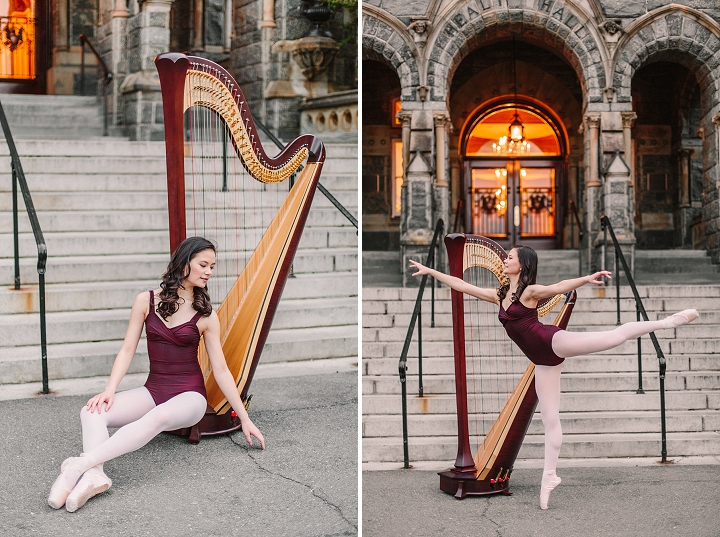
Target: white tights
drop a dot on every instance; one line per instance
(568, 344)
(140, 421)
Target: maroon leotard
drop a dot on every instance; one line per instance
(174, 366)
(533, 337)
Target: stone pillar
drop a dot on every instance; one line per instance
(441, 191)
(268, 20)
(416, 219)
(592, 186)
(684, 156)
(711, 203)
(616, 191)
(405, 118)
(111, 46)
(148, 35)
(628, 118)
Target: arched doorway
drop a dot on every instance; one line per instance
(514, 162)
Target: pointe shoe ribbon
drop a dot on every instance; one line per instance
(548, 485)
(92, 483)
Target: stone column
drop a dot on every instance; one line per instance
(268, 20)
(593, 122)
(628, 118)
(592, 186)
(711, 203)
(148, 36)
(405, 118)
(684, 155)
(441, 190)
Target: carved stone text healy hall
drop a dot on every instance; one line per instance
(496, 114)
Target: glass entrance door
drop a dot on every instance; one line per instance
(513, 200)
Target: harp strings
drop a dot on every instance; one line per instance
(495, 365)
(224, 203)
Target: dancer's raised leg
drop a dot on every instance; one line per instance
(547, 386)
(567, 344)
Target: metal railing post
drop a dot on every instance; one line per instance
(16, 230)
(639, 348)
(617, 284)
(403, 389)
(419, 325)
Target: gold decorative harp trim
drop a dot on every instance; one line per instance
(207, 91)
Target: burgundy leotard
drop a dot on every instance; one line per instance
(174, 366)
(533, 337)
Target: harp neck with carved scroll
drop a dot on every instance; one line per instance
(488, 471)
(247, 311)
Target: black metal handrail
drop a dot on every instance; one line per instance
(320, 187)
(581, 234)
(18, 176)
(107, 76)
(607, 226)
(416, 317)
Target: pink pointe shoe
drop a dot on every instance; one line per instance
(549, 482)
(680, 318)
(92, 483)
(59, 491)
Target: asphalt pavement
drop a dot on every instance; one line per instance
(304, 484)
(642, 501)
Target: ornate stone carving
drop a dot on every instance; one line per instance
(420, 28)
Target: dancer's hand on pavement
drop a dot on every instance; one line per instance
(250, 430)
(595, 278)
(107, 397)
(421, 269)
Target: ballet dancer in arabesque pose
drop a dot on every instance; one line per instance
(548, 345)
(174, 395)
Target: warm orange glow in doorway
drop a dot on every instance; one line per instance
(17, 39)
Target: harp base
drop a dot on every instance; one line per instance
(211, 424)
(463, 484)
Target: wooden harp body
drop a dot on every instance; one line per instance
(489, 470)
(252, 296)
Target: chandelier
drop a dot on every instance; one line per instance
(514, 143)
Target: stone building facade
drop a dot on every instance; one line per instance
(281, 53)
(623, 99)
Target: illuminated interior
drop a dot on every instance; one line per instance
(491, 136)
(397, 167)
(17, 34)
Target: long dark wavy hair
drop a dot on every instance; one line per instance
(528, 273)
(178, 269)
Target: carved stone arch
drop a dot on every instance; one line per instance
(385, 39)
(672, 33)
(559, 25)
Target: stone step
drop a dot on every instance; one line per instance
(571, 382)
(379, 404)
(73, 360)
(574, 446)
(84, 326)
(104, 266)
(80, 201)
(107, 241)
(151, 220)
(433, 365)
(572, 423)
(580, 320)
(113, 295)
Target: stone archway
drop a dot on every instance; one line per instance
(690, 38)
(560, 26)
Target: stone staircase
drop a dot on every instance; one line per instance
(601, 413)
(102, 205)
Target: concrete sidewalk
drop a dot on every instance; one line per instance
(304, 484)
(652, 501)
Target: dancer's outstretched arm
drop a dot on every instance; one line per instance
(538, 292)
(140, 310)
(489, 295)
(225, 380)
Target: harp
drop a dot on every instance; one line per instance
(207, 123)
(488, 472)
